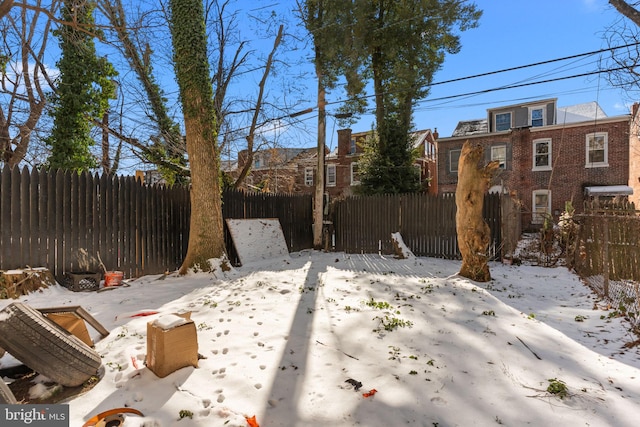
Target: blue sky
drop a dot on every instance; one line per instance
(511, 33)
(514, 33)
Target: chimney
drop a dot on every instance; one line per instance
(344, 141)
(435, 134)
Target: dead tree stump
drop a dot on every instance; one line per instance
(474, 234)
(14, 283)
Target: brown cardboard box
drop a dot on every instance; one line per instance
(73, 324)
(171, 349)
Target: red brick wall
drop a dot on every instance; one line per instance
(343, 164)
(568, 176)
(634, 156)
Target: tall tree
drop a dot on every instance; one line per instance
(256, 112)
(166, 148)
(398, 46)
(326, 22)
(623, 37)
(206, 238)
(627, 10)
(24, 80)
(84, 88)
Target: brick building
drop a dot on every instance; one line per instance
(279, 170)
(549, 155)
(341, 164)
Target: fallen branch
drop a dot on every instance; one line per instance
(528, 348)
(346, 354)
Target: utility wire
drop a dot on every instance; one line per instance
(485, 91)
(535, 64)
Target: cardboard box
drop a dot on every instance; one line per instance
(171, 349)
(73, 324)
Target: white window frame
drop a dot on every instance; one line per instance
(544, 114)
(495, 156)
(353, 180)
(588, 138)
(547, 167)
(539, 212)
(308, 176)
(451, 169)
(331, 173)
(352, 145)
(495, 121)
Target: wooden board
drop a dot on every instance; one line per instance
(257, 239)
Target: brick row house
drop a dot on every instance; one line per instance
(550, 155)
(278, 170)
(341, 165)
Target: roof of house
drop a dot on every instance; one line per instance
(471, 127)
(571, 114)
(580, 113)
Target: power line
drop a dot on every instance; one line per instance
(514, 86)
(485, 91)
(535, 64)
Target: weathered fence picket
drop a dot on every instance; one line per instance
(427, 223)
(64, 220)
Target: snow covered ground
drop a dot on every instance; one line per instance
(280, 338)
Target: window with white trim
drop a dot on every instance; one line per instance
(454, 158)
(597, 150)
(355, 177)
(541, 206)
(502, 121)
(331, 175)
(542, 154)
(308, 176)
(537, 116)
(499, 153)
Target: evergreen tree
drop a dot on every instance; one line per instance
(388, 168)
(398, 46)
(83, 90)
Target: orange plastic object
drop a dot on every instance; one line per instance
(370, 393)
(251, 421)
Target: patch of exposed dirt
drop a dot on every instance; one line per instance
(24, 380)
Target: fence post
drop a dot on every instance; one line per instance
(605, 255)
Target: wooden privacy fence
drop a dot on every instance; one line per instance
(294, 211)
(608, 243)
(607, 253)
(63, 220)
(427, 223)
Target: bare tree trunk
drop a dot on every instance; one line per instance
(627, 10)
(318, 208)
(473, 232)
(256, 114)
(5, 7)
(206, 232)
(26, 101)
